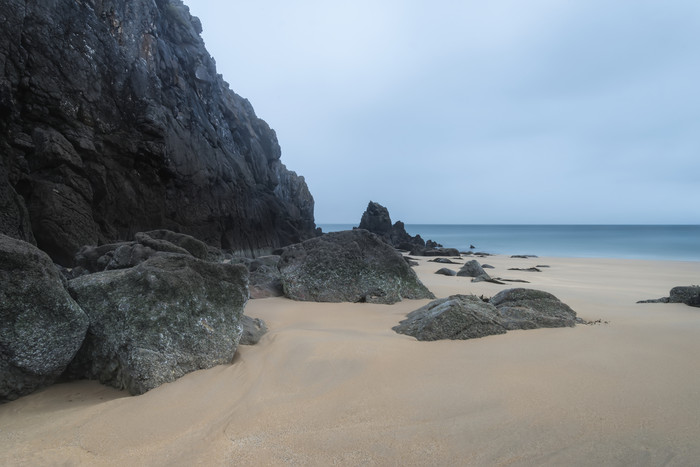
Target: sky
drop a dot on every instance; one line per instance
(474, 112)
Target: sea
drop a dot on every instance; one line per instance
(655, 242)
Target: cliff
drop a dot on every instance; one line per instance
(113, 120)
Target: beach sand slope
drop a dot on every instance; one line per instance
(333, 384)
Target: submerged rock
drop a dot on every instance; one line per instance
(41, 326)
(159, 320)
(348, 266)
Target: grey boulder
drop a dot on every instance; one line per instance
(454, 317)
(155, 322)
(349, 266)
(529, 309)
(690, 295)
(468, 317)
(41, 326)
(446, 272)
(253, 330)
(471, 269)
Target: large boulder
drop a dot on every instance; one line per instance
(454, 317)
(529, 309)
(41, 326)
(348, 266)
(159, 320)
(467, 317)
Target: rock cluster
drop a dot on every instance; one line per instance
(468, 317)
(134, 327)
(348, 266)
(113, 120)
(376, 219)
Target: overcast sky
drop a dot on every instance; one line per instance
(506, 111)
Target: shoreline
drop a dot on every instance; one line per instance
(332, 383)
(613, 241)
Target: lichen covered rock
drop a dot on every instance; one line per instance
(159, 320)
(41, 326)
(348, 266)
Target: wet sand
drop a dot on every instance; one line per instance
(332, 384)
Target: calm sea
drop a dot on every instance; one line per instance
(669, 242)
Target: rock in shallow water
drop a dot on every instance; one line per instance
(348, 266)
(157, 321)
(41, 326)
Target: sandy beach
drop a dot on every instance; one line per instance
(332, 384)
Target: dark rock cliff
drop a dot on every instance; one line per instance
(113, 121)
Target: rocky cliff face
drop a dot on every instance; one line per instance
(113, 120)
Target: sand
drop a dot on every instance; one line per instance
(332, 384)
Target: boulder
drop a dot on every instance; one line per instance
(253, 330)
(443, 261)
(41, 326)
(150, 324)
(145, 245)
(529, 309)
(454, 317)
(435, 251)
(690, 295)
(471, 269)
(467, 317)
(446, 272)
(348, 266)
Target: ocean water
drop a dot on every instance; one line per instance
(661, 242)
